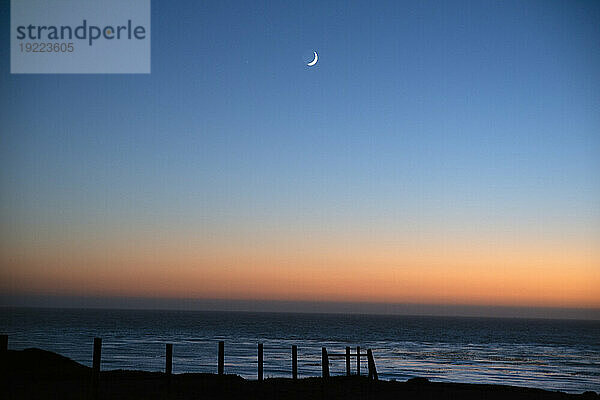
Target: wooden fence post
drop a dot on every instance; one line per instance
(294, 362)
(372, 369)
(357, 360)
(325, 362)
(96, 366)
(347, 360)
(97, 354)
(3, 343)
(169, 359)
(260, 361)
(221, 366)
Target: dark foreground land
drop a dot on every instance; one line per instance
(39, 374)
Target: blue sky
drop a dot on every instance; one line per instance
(469, 116)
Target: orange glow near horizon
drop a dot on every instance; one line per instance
(480, 273)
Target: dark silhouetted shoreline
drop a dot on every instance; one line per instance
(39, 374)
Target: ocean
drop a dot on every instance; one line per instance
(549, 354)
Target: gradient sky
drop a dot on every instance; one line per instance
(439, 152)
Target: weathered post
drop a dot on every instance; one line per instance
(325, 362)
(294, 362)
(347, 360)
(260, 362)
(169, 359)
(221, 366)
(3, 343)
(96, 366)
(372, 369)
(357, 360)
(97, 354)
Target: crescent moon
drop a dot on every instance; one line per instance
(313, 62)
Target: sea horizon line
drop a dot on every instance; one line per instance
(298, 306)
